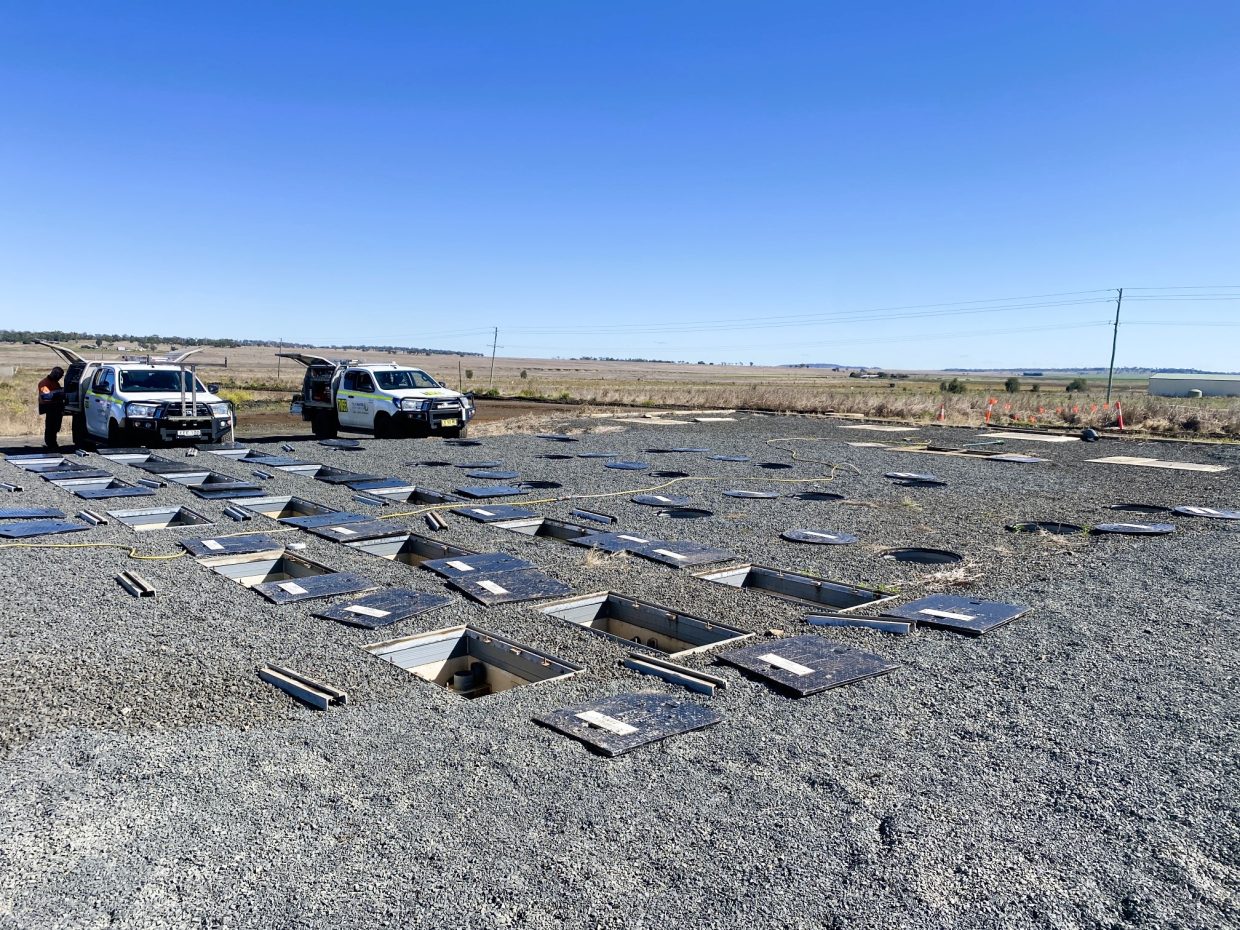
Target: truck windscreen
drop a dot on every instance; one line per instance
(409, 379)
(141, 381)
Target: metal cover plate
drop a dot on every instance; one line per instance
(556, 437)
(209, 547)
(325, 519)
(1016, 457)
(597, 455)
(819, 537)
(340, 443)
(429, 463)
(615, 725)
(628, 466)
(340, 476)
(383, 608)
(164, 467)
(669, 474)
(494, 475)
(805, 665)
(1212, 513)
(555, 458)
(480, 465)
(220, 492)
(510, 587)
(729, 458)
(275, 461)
(353, 532)
(819, 496)
(96, 494)
(1135, 529)
(614, 542)
(495, 490)
(689, 449)
(305, 589)
(959, 614)
(494, 513)
(72, 474)
(375, 484)
(754, 495)
(540, 485)
(480, 563)
(659, 500)
(683, 554)
(32, 513)
(39, 528)
(1139, 508)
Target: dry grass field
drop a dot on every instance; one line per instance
(258, 382)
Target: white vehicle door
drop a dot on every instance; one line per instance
(98, 401)
(355, 401)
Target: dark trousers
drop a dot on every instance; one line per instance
(51, 426)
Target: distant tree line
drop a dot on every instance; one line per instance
(57, 335)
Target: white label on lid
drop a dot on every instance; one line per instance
(460, 566)
(342, 530)
(603, 722)
(946, 614)
(821, 535)
(212, 545)
(786, 664)
(483, 513)
(671, 555)
(366, 611)
(665, 500)
(492, 587)
(636, 539)
(291, 587)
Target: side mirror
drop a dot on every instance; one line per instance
(213, 388)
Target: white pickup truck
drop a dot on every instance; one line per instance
(382, 398)
(141, 403)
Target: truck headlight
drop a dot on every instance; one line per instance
(220, 410)
(410, 404)
(141, 410)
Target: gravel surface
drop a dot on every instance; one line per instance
(1076, 768)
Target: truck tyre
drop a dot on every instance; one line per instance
(117, 435)
(459, 433)
(226, 436)
(383, 426)
(81, 436)
(325, 425)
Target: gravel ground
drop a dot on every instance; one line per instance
(1076, 768)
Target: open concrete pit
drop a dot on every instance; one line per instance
(1069, 768)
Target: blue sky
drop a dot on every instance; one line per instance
(715, 180)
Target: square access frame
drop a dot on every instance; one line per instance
(471, 662)
(640, 623)
(280, 506)
(797, 588)
(159, 518)
(409, 548)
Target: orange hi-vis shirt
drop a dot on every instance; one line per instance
(49, 391)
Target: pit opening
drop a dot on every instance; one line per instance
(410, 548)
(102, 488)
(795, 587)
(547, 528)
(919, 556)
(159, 518)
(470, 662)
(251, 570)
(686, 513)
(283, 506)
(640, 623)
(412, 494)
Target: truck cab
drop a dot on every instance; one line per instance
(383, 398)
(143, 402)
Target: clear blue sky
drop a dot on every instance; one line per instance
(665, 179)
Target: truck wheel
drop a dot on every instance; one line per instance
(459, 433)
(81, 436)
(226, 436)
(117, 435)
(325, 425)
(383, 426)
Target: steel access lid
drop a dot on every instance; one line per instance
(804, 665)
(618, 724)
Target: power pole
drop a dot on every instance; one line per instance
(494, 340)
(279, 360)
(1119, 300)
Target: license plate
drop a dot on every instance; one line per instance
(189, 432)
(448, 422)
